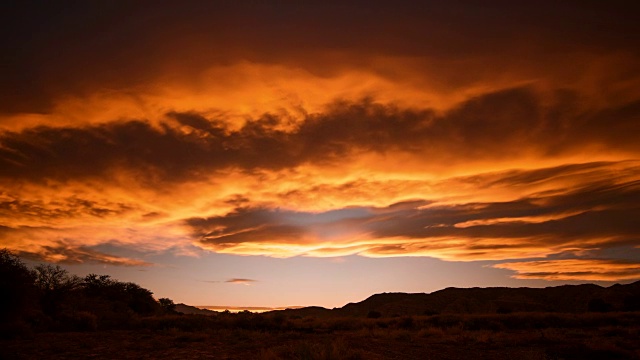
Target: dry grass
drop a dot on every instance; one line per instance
(243, 336)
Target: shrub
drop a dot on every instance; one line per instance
(16, 286)
(337, 348)
(406, 323)
(444, 321)
(631, 303)
(374, 314)
(598, 305)
(345, 324)
(56, 286)
(77, 321)
(111, 299)
(167, 305)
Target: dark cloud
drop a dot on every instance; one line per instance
(501, 125)
(123, 44)
(519, 177)
(599, 215)
(246, 225)
(69, 254)
(61, 208)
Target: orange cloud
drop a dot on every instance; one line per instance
(486, 216)
(574, 269)
(66, 254)
(241, 281)
(589, 212)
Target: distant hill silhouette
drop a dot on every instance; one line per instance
(565, 298)
(192, 310)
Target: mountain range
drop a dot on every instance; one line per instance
(565, 298)
(491, 300)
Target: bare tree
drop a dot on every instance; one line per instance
(55, 285)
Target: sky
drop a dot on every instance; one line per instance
(287, 153)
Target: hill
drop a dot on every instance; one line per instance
(565, 298)
(192, 310)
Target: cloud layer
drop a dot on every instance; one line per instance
(508, 125)
(575, 269)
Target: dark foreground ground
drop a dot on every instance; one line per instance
(405, 338)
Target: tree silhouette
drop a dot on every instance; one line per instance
(119, 297)
(50, 298)
(140, 300)
(55, 285)
(167, 305)
(16, 287)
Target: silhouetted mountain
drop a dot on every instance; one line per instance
(192, 310)
(565, 298)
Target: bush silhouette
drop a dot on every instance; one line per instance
(598, 305)
(167, 305)
(631, 303)
(56, 286)
(16, 286)
(50, 298)
(114, 302)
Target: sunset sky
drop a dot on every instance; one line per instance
(274, 153)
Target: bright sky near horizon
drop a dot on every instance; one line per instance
(314, 153)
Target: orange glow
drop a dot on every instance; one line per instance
(245, 89)
(152, 220)
(574, 269)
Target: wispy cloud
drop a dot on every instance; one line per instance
(575, 269)
(65, 254)
(241, 281)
